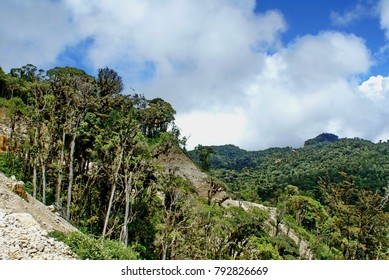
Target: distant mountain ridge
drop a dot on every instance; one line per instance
(324, 137)
(263, 172)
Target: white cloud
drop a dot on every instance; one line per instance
(375, 88)
(212, 128)
(352, 15)
(33, 32)
(383, 8)
(200, 55)
(306, 88)
(222, 66)
(202, 52)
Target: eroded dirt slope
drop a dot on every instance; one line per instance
(178, 163)
(24, 226)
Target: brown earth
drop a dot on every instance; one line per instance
(14, 203)
(178, 163)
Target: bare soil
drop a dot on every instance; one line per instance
(15, 204)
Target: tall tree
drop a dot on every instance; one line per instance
(109, 83)
(76, 89)
(157, 117)
(204, 153)
(121, 132)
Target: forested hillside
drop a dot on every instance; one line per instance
(113, 165)
(334, 189)
(103, 159)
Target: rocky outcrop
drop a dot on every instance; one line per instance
(25, 223)
(176, 162)
(17, 187)
(22, 238)
(15, 199)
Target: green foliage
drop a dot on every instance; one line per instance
(11, 165)
(110, 83)
(204, 153)
(77, 140)
(259, 248)
(87, 247)
(307, 212)
(358, 218)
(285, 246)
(15, 106)
(293, 179)
(156, 117)
(266, 172)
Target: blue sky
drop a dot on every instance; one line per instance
(349, 16)
(252, 73)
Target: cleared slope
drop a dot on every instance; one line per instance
(176, 162)
(41, 213)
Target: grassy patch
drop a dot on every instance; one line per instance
(87, 247)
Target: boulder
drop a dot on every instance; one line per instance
(18, 188)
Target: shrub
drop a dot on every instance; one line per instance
(87, 247)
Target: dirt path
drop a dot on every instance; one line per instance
(304, 249)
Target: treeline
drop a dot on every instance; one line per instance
(333, 191)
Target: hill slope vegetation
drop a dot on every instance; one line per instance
(332, 189)
(112, 164)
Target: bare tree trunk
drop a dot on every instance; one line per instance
(164, 250)
(34, 179)
(11, 133)
(113, 189)
(71, 174)
(127, 210)
(58, 201)
(43, 165)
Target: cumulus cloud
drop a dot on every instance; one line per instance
(306, 88)
(34, 32)
(352, 15)
(213, 128)
(375, 88)
(221, 65)
(375, 91)
(198, 55)
(195, 53)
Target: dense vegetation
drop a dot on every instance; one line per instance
(92, 151)
(334, 191)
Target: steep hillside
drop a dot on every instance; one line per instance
(43, 215)
(274, 229)
(180, 164)
(176, 162)
(25, 223)
(332, 191)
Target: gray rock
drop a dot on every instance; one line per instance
(21, 237)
